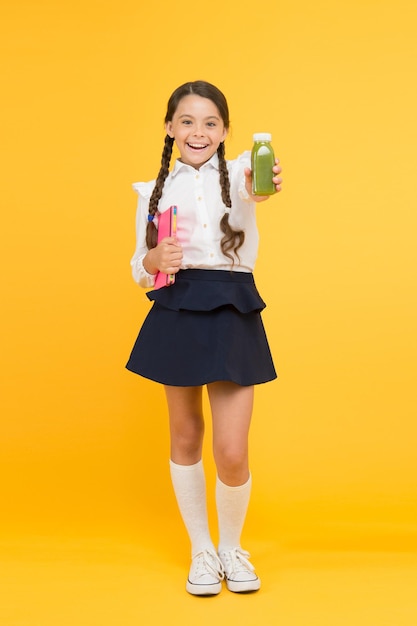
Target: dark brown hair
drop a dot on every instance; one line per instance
(232, 239)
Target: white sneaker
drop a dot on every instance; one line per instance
(206, 574)
(239, 572)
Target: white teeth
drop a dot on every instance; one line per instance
(197, 145)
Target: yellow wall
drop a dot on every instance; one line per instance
(84, 443)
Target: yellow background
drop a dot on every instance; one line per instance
(84, 443)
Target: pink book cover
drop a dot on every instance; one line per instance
(167, 227)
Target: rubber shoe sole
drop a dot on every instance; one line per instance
(243, 586)
(203, 590)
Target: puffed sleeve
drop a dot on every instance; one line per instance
(140, 275)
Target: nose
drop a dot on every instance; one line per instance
(199, 130)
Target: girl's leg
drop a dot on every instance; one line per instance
(231, 407)
(187, 473)
(186, 423)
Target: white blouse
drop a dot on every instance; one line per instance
(197, 194)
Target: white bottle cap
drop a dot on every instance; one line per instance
(262, 137)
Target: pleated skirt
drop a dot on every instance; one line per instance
(204, 328)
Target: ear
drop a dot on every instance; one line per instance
(225, 131)
(168, 129)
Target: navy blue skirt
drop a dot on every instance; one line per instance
(206, 327)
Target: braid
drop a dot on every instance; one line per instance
(151, 231)
(224, 177)
(233, 239)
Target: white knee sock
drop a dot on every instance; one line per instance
(190, 490)
(232, 505)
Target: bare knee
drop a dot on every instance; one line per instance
(187, 441)
(232, 464)
(186, 423)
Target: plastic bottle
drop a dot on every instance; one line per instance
(263, 161)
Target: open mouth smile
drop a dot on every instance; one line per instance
(197, 146)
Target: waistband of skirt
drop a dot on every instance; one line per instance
(207, 290)
(221, 275)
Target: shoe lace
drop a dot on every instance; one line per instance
(238, 561)
(209, 563)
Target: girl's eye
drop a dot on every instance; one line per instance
(211, 124)
(186, 122)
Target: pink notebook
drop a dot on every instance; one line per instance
(167, 227)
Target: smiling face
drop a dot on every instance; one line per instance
(198, 129)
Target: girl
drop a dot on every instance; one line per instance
(206, 328)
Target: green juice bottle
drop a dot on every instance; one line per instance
(263, 160)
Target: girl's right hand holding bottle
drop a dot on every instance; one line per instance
(166, 257)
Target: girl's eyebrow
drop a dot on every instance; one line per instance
(210, 117)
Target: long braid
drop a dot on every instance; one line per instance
(233, 239)
(151, 231)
